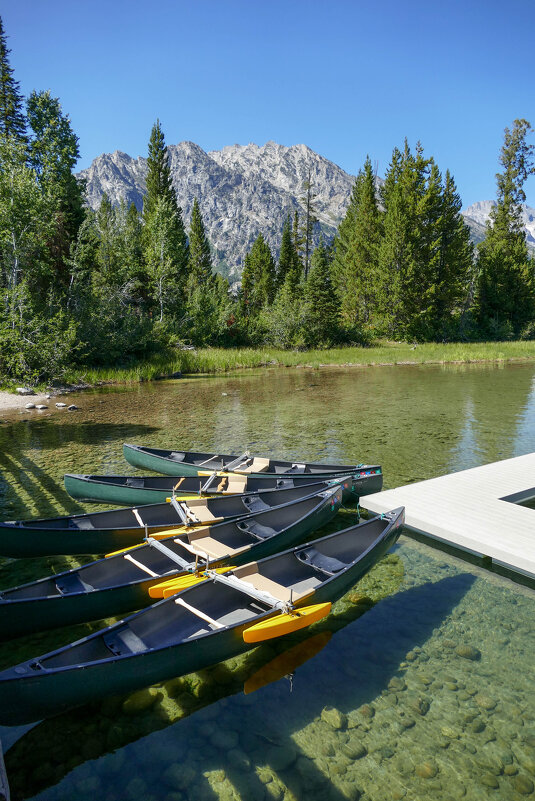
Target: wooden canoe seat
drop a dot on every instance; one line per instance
(200, 511)
(235, 485)
(258, 465)
(249, 573)
(201, 541)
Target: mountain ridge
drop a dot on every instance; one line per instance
(247, 190)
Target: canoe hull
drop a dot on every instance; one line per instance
(29, 692)
(93, 489)
(145, 459)
(28, 616)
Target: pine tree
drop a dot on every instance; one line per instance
(506, 297)
(289, 269)
(200, 257)
(453, 265)
(12, 121)
(167, 254)
(258, 277)
(356, 253)
(320, 300)
(309, 220)
(297, 237)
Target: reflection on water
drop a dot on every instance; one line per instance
(427, 694)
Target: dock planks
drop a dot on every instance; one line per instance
(474, 511)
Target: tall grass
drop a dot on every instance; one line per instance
(219, 360)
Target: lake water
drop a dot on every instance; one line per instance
(419, 686)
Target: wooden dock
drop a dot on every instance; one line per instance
(475, 511)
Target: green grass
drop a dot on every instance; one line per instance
(218, 360)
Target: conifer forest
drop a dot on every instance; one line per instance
(117, 285)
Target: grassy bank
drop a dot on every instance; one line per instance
(216, 360)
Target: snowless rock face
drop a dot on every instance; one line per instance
(479, 213)
(246, 190)
(242, 191)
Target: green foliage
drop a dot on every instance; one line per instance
(309, 220)
(289, 268)
(25, 220)
(12, 122)
(356, 254)
(258, 277)
(506, 288)
(200, 257)
(321, 304)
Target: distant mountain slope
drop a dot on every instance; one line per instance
(242, 191)
(245, 190)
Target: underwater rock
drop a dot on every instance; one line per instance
(280, 757)
(510, 770)
(140, 701)
(354, 750)
(179, 776)
(397, 684)
(448, 644)
(136, 788)
(30, 406)
(485, 701)
(334, 718)
(367, 710)
(72, 407)
(41, 407)
(224, 739)
(523, 785)
(411, 656)
(450, 733)
(419, 704)
(489, 780)
(406, 722)
(61, 405)
(468, 652)
(349, 790)
(477, 726)
(426, 770)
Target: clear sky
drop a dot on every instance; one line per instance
(345, 77)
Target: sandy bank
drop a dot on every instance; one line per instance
(10, 402)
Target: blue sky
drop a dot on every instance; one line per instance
(345, 77)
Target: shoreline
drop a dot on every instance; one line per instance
(11, 402)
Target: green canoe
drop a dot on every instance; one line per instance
(189, 463)
(134, 491)
(216, 619)
(121, 583)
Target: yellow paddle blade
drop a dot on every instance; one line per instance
(170, 587)
(184, 498)
(286, 623)
(123, 550)
(171, 532)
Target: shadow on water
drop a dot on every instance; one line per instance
(201, 722)
(47, 434)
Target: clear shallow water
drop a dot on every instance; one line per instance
(427, 694)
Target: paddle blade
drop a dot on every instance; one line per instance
(281, 624)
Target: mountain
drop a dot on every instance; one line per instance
(245, 190)
(478, 214)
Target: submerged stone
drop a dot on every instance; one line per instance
(468, 652)
(523, 785)
(485, 701)
(426, 770)
(490, 780)
(333, 717)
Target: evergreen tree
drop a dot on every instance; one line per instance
(166, 259)
(258, 277)
(53, 153)
(297, 237)
(289, 269)
(356, 253)
(453, 264)
(506, 301)
(12, 122)
(200, 256)
(309, 220)
(320, 300)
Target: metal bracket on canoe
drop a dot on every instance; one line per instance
(181, 512)
(236, 462)
(208, 483)
(248, 589)
(169, 553)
